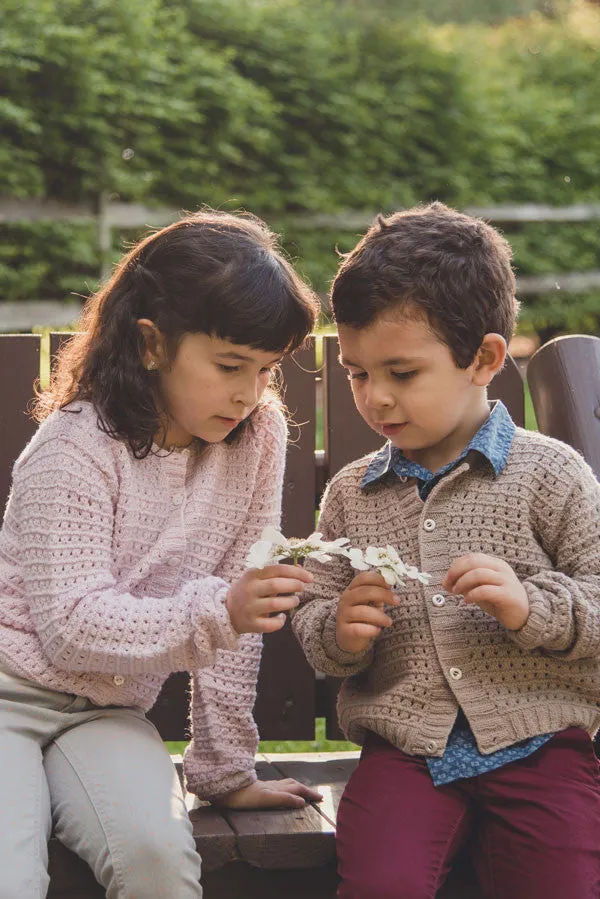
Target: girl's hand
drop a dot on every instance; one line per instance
(491, 584)
(260, 592)
(286, 793)
(360, 615)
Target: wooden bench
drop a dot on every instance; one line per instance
(292, 853)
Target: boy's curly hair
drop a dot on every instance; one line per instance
(453, 269)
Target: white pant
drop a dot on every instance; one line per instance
(104, 780)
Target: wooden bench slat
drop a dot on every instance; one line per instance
(325, 771)
(286, 838)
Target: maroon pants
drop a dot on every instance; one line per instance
(532, 827)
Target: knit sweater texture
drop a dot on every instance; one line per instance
(541, 514)
(114, 572)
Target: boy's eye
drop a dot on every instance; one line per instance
(357, 375)
(403, 375)
(229, 368)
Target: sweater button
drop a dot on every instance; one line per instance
(431, 746)
(455, 673)
(429, 524)
(438, 600)
(118, 680)
(177, 499)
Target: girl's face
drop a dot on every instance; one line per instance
(209, 387)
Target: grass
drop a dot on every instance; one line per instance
(319, 744)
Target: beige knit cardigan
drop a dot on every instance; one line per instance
(541, 514)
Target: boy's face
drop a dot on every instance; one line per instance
(408, 388)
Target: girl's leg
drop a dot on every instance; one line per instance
(117, 803)
(24, 799)
(397, 834)
(540, 834)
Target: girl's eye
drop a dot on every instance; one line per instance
(229, 368)
(357, 375)
(403, 375)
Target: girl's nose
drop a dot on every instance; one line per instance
(248, 396)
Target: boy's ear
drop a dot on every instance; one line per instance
(154, 350)
(489, 359)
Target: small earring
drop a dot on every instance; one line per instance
(150, 366)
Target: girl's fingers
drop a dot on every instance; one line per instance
(300, 789)
(277, 586)
(295, 572)
(269, 625)
(477, 578)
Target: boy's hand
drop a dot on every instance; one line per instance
(360, 614)
(491, 584)
(262, 591)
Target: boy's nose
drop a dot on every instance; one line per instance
(379, 399)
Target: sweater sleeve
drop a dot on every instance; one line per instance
(221, 756)
(62, 506)
(314, 621)
(564, 617)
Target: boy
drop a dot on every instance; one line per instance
(475, 697)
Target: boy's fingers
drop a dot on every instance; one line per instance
(477, 578)
(366, 578)
(367, 615)
(362, 631)
(486, 594)
(467, 563)
(361, 596)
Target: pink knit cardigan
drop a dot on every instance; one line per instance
(114, 571)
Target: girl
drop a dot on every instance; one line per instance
(158, 463)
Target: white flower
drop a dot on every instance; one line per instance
(387, 562)
(273, 547)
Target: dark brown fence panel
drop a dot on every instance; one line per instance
(564, 379)
(508, 387)
(56, 338)
(347, 436)
(299, 390)
(19, 368)
(285, 707)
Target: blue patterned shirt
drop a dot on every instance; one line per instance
(493, 441)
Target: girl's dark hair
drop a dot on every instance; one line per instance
(452, 269)
(211, 272)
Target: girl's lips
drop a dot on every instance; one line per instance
(229, 421)
(391, 430)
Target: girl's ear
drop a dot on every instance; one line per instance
(490, 359)
(154, 351)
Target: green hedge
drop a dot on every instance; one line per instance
(289, 106)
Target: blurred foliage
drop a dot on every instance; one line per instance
(289, 107)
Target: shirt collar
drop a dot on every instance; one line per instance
(492, 441)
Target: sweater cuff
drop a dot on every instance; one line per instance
(531, 635)
(212, 618)
(352, 662)
(213, 790)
